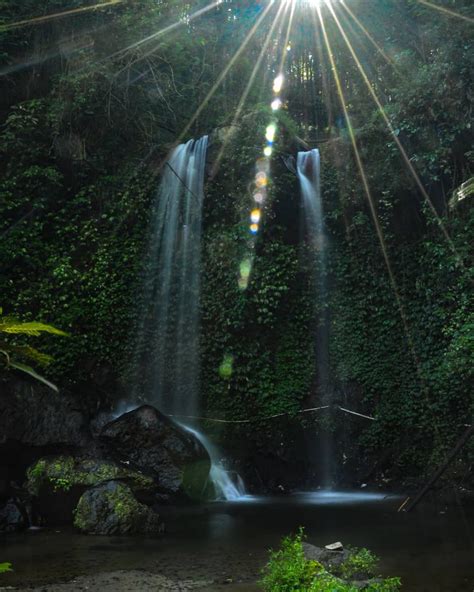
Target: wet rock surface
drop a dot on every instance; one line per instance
(330, 559)
(111, 509)
(12, 519)
(52, 454)
(154, 444)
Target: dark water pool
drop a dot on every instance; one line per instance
(431, 548)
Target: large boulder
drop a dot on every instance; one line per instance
(35, 422)
(12, 519)
(154, 444)
(58, 482)
(111, 509)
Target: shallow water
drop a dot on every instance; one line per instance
(431, 548)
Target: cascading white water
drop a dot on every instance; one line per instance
(308, 169)
(225, 487)
(168, 348)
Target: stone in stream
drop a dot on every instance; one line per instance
(154, 444)
(330, 559)
(12, 518)
(334, 546)
(111, 508)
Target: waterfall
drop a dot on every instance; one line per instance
(169, 332)
(225, 487)
(308, 170)
(168, 348)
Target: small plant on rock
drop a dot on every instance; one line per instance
(288, 570)
(360, 562)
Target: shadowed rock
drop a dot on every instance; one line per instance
(111, 508)
(154, 444)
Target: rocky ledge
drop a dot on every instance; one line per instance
(59, 465)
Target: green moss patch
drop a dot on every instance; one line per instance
(63, 472)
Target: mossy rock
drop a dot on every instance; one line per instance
(111, 508)
(62, 473)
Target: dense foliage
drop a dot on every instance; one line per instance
(88, 115)
(288, 570)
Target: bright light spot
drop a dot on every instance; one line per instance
(278, 83)
(288, 47)
(245, 268)
(258, 197)
(270, 133)
(267, 150)
(255, 215)
(254, 228)
(243, 283)
(225, 369)
(276, 104)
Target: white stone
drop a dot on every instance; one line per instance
(335, 546)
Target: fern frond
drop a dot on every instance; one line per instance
(29, 370)
(27, 351)
(34, 328)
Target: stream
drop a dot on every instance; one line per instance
(223, 545)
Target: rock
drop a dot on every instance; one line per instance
(58, 482)
(369, 584)
(330, 559)
(111, 508)
(12, 518)
(160, 448)
(334, 546)
(64, 472)
(35, 416)
(35, 422)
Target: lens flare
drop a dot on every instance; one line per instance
(270, 132)
(276, 104)
(255, 215)
(258, 197)
(254, 228)
(267, 150)
(278, 83)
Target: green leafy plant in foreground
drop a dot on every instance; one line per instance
(12, 327)
(288, 570)
(361, 561)
(4, 567)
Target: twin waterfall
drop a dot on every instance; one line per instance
(308, 170)
(170, 328)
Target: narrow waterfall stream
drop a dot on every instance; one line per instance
(227, 486)
(172, 286)
(308, 169)
(170, 328)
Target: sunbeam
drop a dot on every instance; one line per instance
(387, 58)
(250, 83)
(446, 11)
(58, 15)
(366, 186)
(224, 72)
(161, 32)
(395, 138)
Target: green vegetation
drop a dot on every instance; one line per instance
(86, 126)
(360, 561)
(64, 472)
(288, 570)
(10, 349)
(4, 567)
